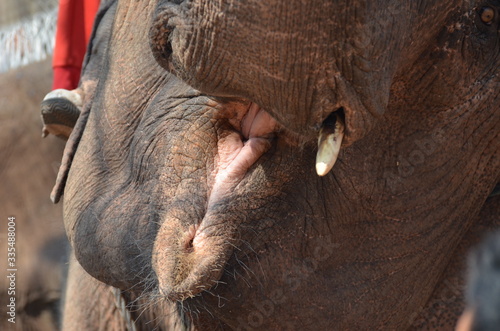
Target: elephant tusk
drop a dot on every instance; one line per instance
(329, 141)
(60, 110)
(72, 96)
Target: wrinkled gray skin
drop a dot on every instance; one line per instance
(275, 246)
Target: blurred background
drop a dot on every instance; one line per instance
(28, 166)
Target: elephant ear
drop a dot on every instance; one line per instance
(69, 153)
(91, 69)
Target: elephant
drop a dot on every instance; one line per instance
(28, 167)
(285, 165)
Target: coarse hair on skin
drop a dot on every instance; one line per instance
(483, 293)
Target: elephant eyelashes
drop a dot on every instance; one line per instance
(487, 15)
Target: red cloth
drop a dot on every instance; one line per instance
(74, 26)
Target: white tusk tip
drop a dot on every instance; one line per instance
(322, 168)
(329, 142)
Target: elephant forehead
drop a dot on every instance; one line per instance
(298, 60)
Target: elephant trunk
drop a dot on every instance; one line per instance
(190, 260)
(194, 242)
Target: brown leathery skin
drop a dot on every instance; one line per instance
(361, 248)
(309, 57)
(93, 306)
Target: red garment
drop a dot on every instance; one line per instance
(74, 26)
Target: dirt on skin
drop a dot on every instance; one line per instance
(28, 168)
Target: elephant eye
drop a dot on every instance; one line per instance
(487, 15)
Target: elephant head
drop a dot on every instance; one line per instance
(300, 60)
(193, 174)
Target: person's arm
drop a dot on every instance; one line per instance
(74, 26)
